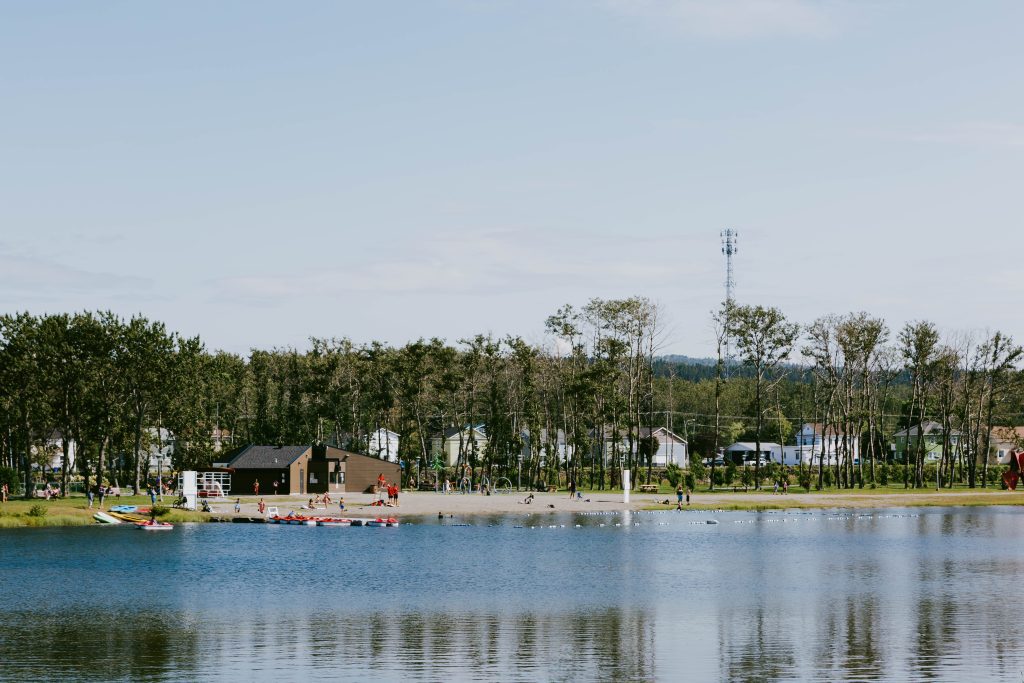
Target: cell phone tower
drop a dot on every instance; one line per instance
(729, 247)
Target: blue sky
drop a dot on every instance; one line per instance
(262, 172)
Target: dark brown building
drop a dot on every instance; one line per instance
(306, 470)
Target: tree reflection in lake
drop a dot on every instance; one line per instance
(824, 596)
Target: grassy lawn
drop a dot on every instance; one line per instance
(74, 511)
(860, 498)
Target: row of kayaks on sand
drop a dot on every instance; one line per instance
(140, 522)
(331, 521)
(143, 523)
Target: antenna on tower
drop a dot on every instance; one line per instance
(729, 247)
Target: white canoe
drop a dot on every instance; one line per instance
(104, 518)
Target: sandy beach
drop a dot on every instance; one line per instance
(429, 503)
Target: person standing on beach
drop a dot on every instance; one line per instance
(152, 496)
(102, 492)
(262, 507)
(256, 487)
(687, 495)
(3, 492)
(275, 487)
(679, 496)
(572, 489)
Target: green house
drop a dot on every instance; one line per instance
(933, 436)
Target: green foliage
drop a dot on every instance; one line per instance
(691, 481)
(698, 469)
(159, 510)
(730, 473)
(37, 511)
(674, 474)
(747, 477)
(10, 476)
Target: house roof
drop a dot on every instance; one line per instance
(544, 436)
(928, 427)
(267, 457)
(454, 431)
(751, 446)
(659, 433)
(1008, 435)
(818, 427)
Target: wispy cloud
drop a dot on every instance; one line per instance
(26, 274)
(735, 19)
(987, 134)
(475, 263)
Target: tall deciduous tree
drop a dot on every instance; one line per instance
(764, 339)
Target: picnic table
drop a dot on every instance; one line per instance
(648, 488)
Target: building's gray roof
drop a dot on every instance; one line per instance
(267, 457)
(454, 431)
(929, 428)
(751, 446)
(645, 433)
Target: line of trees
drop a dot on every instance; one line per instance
(112, 386)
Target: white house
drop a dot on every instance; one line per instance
(744, 452)
(806, 455)
(54, 449)
(556, 447)
(383, 444)
(828, 443)
(469, 439)
(671, 447)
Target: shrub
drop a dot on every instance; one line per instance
(720, 476)
(691, 481)
(673, 473)
(10, 476)
(160, 510)
(747, 477)
(698, 469)
(37, 511)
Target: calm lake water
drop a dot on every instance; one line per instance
(895, 595)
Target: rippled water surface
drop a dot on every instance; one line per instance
(895, 595)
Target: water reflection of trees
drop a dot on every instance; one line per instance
(98, 645)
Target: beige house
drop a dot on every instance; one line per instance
(454, 441)
(1006, 440)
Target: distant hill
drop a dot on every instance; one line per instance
(696, 369)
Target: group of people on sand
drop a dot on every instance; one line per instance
(680, 492)
(318, 501)
(392, 490)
